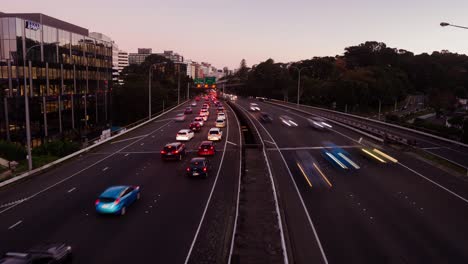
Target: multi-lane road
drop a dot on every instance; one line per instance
(164, 226)
(405, 212)
(408, 212)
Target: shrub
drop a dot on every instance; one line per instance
(12, 151)
(58, 148)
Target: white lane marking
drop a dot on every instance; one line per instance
(15, 225)
(273, 143)
(300, 197)
(435, 183)
(12, 203)
(431, 148)
(209, 198)
(71, 190)
(127, 139)
(127, 154)
(232, 143)
(273, 187)
(234, 231)
(78, 172)
(106, 168)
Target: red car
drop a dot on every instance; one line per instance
(206, 149)
(195, 126)
(197, 98)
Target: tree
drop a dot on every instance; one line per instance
(243, 71)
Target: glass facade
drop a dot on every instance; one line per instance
(68, 79)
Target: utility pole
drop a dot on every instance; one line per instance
(380, 106)
(149, 85)
(188, 91)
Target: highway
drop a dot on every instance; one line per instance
(408, 212)
(446, 150)
(165, 226)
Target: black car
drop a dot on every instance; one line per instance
(198, 167)
(174, 150)
(188, 110)
(265, 117)
(45, 254)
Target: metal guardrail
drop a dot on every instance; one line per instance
(56, 162)
(390, 136)
(250, 126)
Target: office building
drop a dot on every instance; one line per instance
(139, 58)
(68, 78)
(122, 63)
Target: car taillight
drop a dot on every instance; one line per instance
(97, 202)
(163, 152)
(211, 147)
(117, 201)
(176, 152)
(204, 169)
(188, 169)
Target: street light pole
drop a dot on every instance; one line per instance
(153, 66)
(445, 24)
(299, 82)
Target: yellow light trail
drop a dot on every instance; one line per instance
(373, 155)
(386, 156)
(323, 175)
(303, 174)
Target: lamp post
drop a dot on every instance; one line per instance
(26, 103)
(299, 81)
(445, 24)
(153, 66)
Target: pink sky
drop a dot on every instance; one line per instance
(224, 32)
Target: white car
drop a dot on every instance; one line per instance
(220, 122)
(319, 123)
(194, 104)
(288, 121)
(200, 120)
(254, 107)
(180, 118)
(185, 135)
(221, 115)
(204, 112)
(215, 134)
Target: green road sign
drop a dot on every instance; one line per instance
(199, 81)
(210, 80)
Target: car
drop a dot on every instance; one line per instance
(197, 98)
(185, 135)
(288, 121)
(319, 123)
(175, 150)
(220, 122)
(215, 134)
(265, 117)
(220, 109)
(188, 110)
(195, 126)
(254, 107)
(47, 253)
(221, 116)
(180, 118)
(200, 120)
(206, 106)
(204, 112)
(198, 167)
(206, 148)
(116, 199)
(193, 104)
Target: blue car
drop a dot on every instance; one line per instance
(116, 199)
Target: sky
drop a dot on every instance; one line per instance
(224, 32)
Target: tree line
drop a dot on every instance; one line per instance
(364, 75)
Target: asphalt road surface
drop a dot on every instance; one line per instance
(162, 227)
(409, 212)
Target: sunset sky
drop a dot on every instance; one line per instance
(224, 32)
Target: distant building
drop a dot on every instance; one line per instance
(115, 53)
(139, 58)
(121, 64)
(169, 54)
